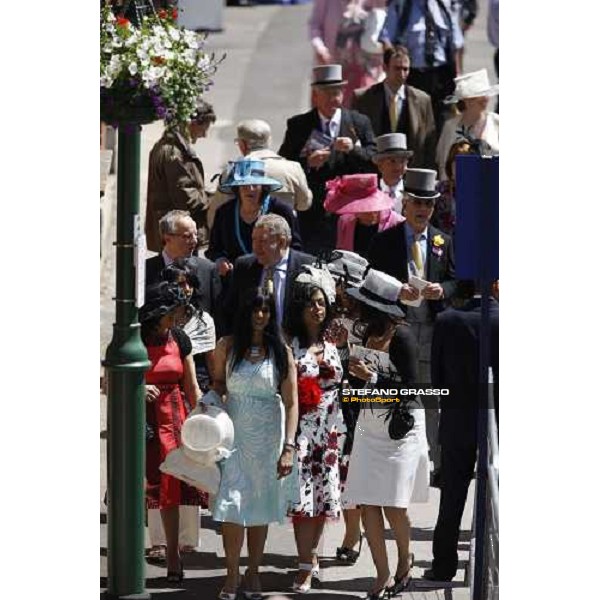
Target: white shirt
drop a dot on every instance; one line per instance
(334, 123)
(395, 192)
(168, 260)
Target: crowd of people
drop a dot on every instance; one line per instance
(324, 266)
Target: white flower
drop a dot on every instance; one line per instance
(174, 33)
(106, 81)
(133, 68)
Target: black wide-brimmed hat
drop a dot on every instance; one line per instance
(379, 290)
(161, 299)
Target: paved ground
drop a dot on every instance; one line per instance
(266, 76)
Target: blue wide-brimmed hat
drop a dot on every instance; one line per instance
(247, 171)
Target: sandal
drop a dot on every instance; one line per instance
(302, 588)
(223, 595)
(250, 594)
(380, 594)
(157, 553)
(176, 576)
(401, 583)
(348, 555)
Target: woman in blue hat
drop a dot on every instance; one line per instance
(231, 235)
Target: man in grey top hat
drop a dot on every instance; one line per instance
(391, 159)
(328, 141)
(414, 248)
(395, 107)
(254, 141)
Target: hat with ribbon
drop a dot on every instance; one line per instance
(247, 171)
(328, 76)
(391, 144)
(161, 299)
(472, 85)
(379, 290)
(311, 275)
(421, 183)
(348, 266)
(357, 193)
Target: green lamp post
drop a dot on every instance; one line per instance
(126, 362)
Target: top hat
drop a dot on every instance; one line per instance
(420, 183)
(472, 85)
(379, 290)
(328, 76)
(248, 171)
(348, 266)
(392, 144)
(350, 194)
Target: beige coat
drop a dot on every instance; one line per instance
(175, 181)
(295, 191)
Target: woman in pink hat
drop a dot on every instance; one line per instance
(363, 208)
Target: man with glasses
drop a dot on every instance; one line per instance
(179, 237)
(422, 257)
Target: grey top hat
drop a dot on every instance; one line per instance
(348, 266)
(328, 75)
(379, 290)
(392, 144)
(420, 183)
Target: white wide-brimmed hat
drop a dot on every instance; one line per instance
(472, 85)
(379, 290)
(207, 435)
(319, 277)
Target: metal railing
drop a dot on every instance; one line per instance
(491, 555)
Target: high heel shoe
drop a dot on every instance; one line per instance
(223, 595)
(380, 594)
(348, 555)
(250, 594)
(176, 576)
(401, 583)
(302, 588)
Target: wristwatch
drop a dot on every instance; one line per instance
(289, 443)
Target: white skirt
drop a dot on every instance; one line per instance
(386, 472)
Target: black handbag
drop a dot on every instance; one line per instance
(400, 421)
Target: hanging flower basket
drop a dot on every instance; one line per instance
(156, 70)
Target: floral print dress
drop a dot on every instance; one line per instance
(319, 439)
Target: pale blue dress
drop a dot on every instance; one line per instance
(250, 493)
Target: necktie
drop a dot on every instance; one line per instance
(417, 257)
(394, 112)
(327, 128)
(268, 285)
(429, 36)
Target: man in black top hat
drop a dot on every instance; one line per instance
(328, 141)
(414, 251)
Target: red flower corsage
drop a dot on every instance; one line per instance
(309, 394)
(326, 371)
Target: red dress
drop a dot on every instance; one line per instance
(165, 416)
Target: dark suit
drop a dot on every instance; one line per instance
(388, 253)
(416, 120)
(223, 240)
(247, 273)
(455, 364)
(318, 228)
(204, 269)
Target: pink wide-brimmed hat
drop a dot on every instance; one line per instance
(359, 193)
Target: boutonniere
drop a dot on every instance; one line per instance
(438, 240)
